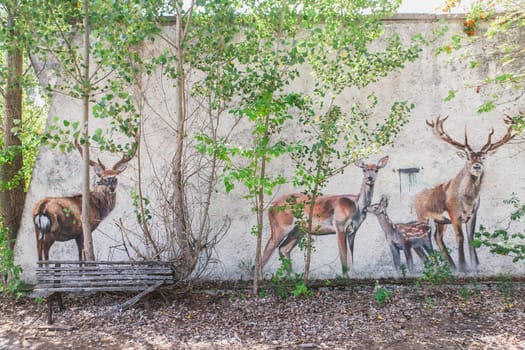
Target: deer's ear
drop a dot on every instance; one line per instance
(120, 167)
(99, 170)
(359, 163)
(382, 162)
(384, 200)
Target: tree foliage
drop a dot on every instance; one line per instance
(96, 69)
(499, 27)
(272, 45)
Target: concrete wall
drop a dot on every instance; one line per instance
(425, 83)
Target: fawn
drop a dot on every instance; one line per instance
(404, 237)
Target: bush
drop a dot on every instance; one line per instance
(10, 272)
(500, 241)
(437, 269)
(286, 283)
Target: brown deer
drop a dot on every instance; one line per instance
(405, 237)
(58, 218)
(332, 214)
(456, 201)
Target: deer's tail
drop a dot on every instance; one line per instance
(42, 221)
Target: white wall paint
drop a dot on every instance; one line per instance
(424, 82)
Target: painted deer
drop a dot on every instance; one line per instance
(457, 201)
(58, 218)
(332, 214)
(403, 237)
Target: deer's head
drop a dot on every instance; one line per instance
(107, 178)
(474, 159)
(370, 170)
(378, 208)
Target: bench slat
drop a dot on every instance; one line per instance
(101, 273)
(98, 262)
(135, 282)
(48, 291)
(130, 281)
(102, 267)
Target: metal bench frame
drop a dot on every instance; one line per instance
(57, 277)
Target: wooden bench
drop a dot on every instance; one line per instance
(57, 277)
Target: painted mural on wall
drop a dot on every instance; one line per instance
(403, 236)
(341, 215)
(59, 218)
(454, 202)
(408, 177)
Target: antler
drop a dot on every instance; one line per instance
(127, 158)
(92, 163)
(438, 128)
(489, 146)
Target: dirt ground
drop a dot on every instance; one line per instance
(473, 315)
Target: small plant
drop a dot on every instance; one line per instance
(464, 293)
(381, 294)
(403, 269)
(506, 287)
(286, 283)
(467, 290)
(301, 290)
(263, 293)
(430, 303)
(437, 269)
(10, 272)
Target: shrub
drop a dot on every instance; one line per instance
(10, 272)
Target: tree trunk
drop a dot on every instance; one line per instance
(89, 252)
(260, 213)
(182, 229)
(12, 196)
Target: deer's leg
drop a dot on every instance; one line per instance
(428, 249)
(289, 243)
(440, 230)
(39, 247)
(46, 247)
(272, 243)
(341, 245)
(396, 256)
(421, 253)
(80, 246)
(408, 256)
(471, 229)
(346, 240)
(458, 230)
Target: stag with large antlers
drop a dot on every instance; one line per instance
(332, 214)
(58, 218)
(457, 201)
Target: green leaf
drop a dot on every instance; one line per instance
(451, 95)
(486, 107)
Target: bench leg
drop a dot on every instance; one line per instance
(50, 299)
(60, 304)
(50, 309)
